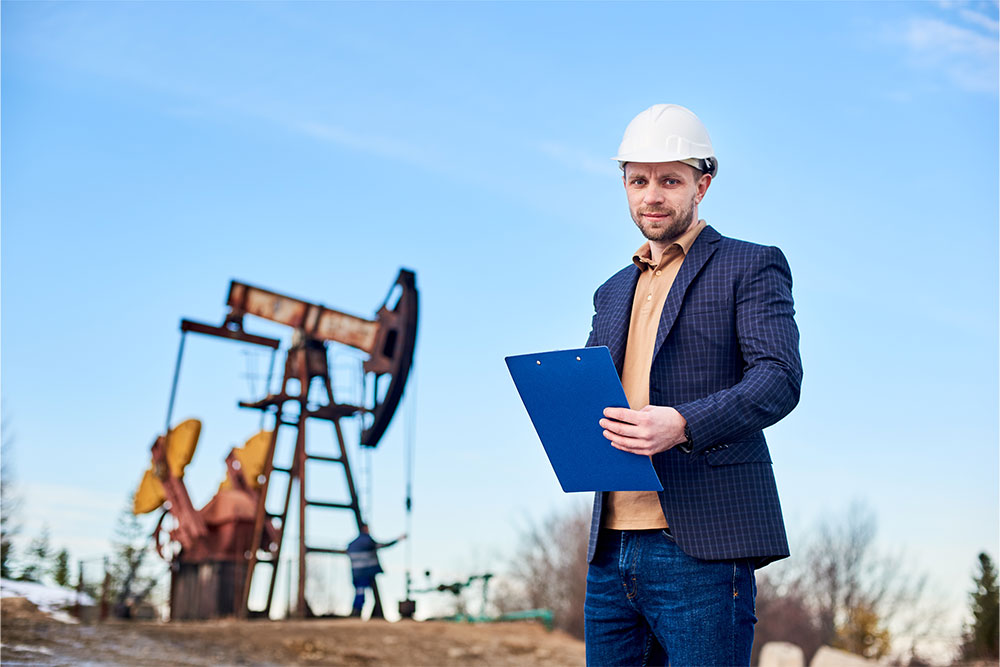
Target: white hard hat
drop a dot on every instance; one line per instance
(668, 133)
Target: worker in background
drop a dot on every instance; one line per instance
(363, 552)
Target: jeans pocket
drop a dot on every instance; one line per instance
(667, 534)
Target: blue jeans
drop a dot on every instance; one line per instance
(649, 603)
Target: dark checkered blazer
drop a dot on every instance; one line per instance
(727, 358)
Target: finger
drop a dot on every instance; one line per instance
(622, 415)
(626, 444)
(621, 428)
(641, 451)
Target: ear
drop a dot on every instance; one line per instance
(703, 183)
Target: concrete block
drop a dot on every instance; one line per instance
(832, 657)
(781, 654)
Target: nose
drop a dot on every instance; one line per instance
(652, 196)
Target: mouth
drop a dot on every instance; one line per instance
(655, 216)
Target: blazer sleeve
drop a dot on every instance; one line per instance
(592, 338)
(769, 342)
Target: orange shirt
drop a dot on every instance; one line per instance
(640, 510)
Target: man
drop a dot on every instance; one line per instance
(702, 332)
(363, 552)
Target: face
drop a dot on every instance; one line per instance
(663, 197)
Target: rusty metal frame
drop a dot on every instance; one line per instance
(389, 340)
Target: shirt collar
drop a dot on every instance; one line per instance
(643, 256)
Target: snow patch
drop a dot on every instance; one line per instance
(27, 649)
(50, 600)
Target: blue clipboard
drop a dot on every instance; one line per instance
(565, 393)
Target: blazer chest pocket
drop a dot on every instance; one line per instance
(749, 450)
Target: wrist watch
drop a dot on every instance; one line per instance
(687, 445)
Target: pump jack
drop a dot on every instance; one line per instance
(223, 544)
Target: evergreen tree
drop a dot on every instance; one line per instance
(60, 569)
(37, 559)
(6, 554)
(129, 583)
(982, 638)
(9, 501)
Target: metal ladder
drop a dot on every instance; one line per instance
(304, 363)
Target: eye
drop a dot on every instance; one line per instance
(672, 181)
(638, 181)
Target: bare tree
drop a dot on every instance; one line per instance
(550, 570)
(865, 598)
(784, 613)
(844, 592)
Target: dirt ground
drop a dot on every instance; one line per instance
(30, 637)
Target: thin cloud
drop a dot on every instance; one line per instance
(577, 159)
(981, 20)
(374, 145)
(97, 50)
(929, 35)
(963, 46)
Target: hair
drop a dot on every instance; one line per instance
(698, 171)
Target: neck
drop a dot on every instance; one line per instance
(657, 248)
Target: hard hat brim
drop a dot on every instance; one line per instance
(657, 158)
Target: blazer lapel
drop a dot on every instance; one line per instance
(703, 248)
(619, 315)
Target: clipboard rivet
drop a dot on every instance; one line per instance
(578, 358)
(539, 363)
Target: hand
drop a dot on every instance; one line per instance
(649, 431)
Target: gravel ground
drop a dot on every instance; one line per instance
(29, 636)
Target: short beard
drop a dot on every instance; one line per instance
(681, 222)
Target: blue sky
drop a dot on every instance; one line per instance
(152, 152)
